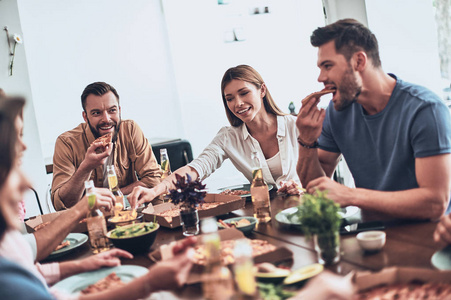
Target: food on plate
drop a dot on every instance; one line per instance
(259, 247)
(402, 291)
(234, 224)
(316, 94)
(304, 273)
(175, 212)
(123, 216)
(112, 280)
(64, 244)
(234, 192)
(132, 230)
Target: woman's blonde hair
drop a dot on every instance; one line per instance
(248, 74)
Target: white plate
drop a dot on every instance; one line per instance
(243, 187)
(74, 284)
(75, 239)
(289, 217)
(442, 259)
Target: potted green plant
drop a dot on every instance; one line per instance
(188, 194)
(319, 218)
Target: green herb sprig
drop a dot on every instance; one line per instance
(318, 214)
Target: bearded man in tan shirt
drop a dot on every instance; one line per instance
(78, 158)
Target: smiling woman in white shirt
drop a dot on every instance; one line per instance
(257, 124)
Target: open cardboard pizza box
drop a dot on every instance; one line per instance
(367, 279)
(31, 223)
(227, 203)
(279, 254)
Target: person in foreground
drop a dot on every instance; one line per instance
(257, 125)
(78, 158)
(44, 241)
(395, 136)
(20, 278)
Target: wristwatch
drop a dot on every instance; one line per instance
(312, 146)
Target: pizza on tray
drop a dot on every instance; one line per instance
(259, 247)
(112, 280)
(407, 291)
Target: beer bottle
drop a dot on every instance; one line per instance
(217, 280)
(165, 165)
(95, 222)
(244, 270)
(259, 192)
(114, 188)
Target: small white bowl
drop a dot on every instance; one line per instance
(371, 240)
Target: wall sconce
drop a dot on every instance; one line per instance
(12, 49)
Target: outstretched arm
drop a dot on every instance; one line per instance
(428, 201)
(141, 195)
(49, 237)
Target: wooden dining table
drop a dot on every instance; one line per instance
(409, 243)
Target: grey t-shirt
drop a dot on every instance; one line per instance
(380, 149)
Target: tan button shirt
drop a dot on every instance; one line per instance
(133, 158)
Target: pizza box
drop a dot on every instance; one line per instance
(278, 255)
(37, 220)
(227, 204)
(367, 279)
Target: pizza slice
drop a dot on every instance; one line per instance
(316, 94)
(112, 280)
(64, 244)
(105, 140)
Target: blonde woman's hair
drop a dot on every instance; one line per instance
(248, 74)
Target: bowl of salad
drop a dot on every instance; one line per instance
(134, 238)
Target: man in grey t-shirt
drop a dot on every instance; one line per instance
(395, 136)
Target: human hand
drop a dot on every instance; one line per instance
(339, 193)
(104, 199)
(141, 195)
(290, 187)
(310, 118)
(97, 154)
(105, 259)
(442, 233)
(327, 286)
(172, 273)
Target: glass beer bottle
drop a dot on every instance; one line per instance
(165, 165)
(114, 188)
(244, 270)
(96, 222)
(259, 192)
(217, 279)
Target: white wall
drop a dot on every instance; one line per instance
(276, 45)
(73, 43)
(19, 84)
(407, 38)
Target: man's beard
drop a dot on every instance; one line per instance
(349, 90)
(96, 133)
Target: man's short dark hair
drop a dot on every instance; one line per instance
(98, 89)
(350, 36)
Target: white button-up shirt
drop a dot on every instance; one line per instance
(236, 144)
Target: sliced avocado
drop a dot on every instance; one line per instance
(304, 273)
